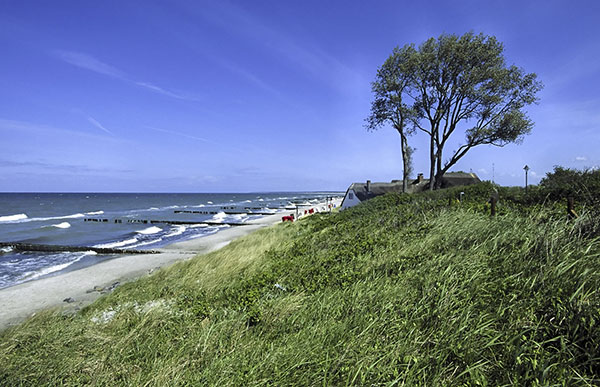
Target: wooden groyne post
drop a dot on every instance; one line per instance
(18, 246)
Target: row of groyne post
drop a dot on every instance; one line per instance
(260, 211)
(18, 246)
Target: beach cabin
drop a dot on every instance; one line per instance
(359, 192)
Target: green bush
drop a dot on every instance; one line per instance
(583, 186)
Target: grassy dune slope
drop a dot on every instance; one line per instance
(401, 289)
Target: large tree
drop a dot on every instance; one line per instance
(391, 84)
(462, 84)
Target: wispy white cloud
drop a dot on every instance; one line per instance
(42, 130)
(227, 146)
(98, 125)
(24, 126)
(249, 76)
(180, 134)
(90, 63)
(312, 59)
(54, 166)
(581, 158)
(160, 90)
(309, 59)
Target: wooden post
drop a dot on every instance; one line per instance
(571, 214)
(493, 208)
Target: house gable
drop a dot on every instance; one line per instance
(350, 199)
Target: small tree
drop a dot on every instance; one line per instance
(392, 82)
(455, 83)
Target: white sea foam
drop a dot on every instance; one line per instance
(12, 218)
(95, 213)
(47, 270)
(209, 202)
(56, 268)
(73, 216)
(117, 244)
(177, 230)
(147, 209)
(247, 201)
(62, 225)
(6, 249)
(220, 216)
(150, 230)
(145, 243)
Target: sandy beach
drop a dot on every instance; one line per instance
(84, 286)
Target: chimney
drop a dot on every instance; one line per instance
(368, 185)
(420, 178)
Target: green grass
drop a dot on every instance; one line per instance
(402, 290)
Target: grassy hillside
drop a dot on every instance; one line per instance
(414, 290)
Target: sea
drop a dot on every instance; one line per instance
(122, 221)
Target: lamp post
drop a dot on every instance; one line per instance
(526, 168)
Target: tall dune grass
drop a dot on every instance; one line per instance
(402, 290)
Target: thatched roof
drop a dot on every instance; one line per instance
(450, 179)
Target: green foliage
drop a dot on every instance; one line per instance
(402, 289)
(453, 82)
(583, 186)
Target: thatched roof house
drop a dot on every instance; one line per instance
(359, 192)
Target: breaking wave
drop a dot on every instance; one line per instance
(12, 218)
(177, 230)
(62, 225)
(150, 230)
(117, 244)
(55, 268)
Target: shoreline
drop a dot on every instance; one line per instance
(72, 290)
(83, 286)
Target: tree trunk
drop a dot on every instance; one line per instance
(432, 163)
(438, 171)
(405, 162)
(438, 179)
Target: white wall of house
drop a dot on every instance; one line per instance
(350, 199)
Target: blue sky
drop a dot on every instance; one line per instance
(234, 96)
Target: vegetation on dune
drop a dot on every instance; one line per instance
(403, 289)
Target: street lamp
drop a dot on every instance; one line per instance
(526, 168)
